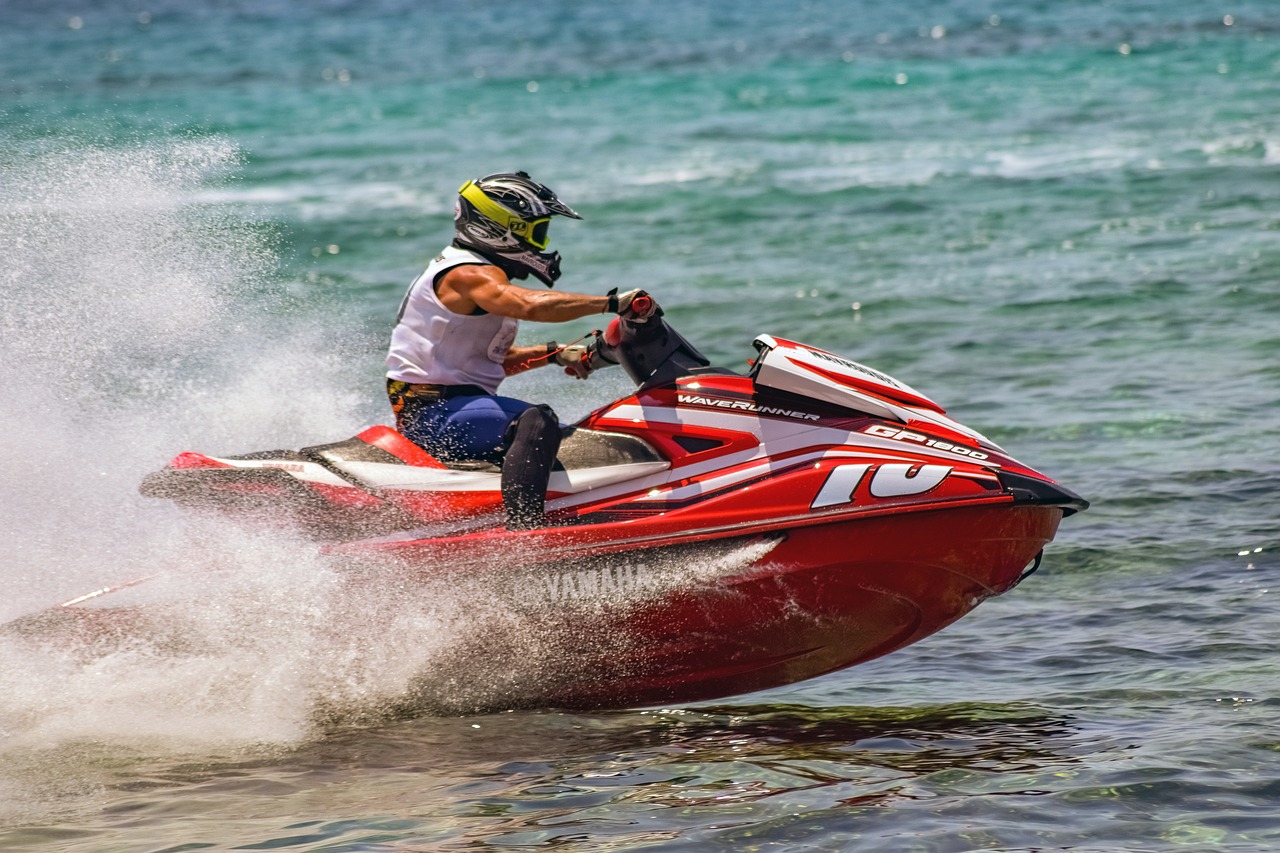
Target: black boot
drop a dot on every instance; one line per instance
(532, 442)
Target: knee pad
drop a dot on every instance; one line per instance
(533, 438)
(532, 425)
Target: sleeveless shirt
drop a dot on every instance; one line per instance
(433, 345)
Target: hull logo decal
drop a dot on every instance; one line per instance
(898, 479)
(742, 406)
(889, 481)
(838, 489)
(595, 583)
(883, 431)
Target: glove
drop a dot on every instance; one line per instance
(576, 360)
(634, 305)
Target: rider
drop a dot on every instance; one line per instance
(454, 339)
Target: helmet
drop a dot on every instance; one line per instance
(505, 217)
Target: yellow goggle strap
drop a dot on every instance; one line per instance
(522, 228)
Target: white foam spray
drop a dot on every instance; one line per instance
(138, 322)
(135, 323)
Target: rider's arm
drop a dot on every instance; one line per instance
(463, 289)
(520, 359)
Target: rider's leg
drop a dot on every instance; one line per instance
(532, 442)
(462, 428)
(520, 435)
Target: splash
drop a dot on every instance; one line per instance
(135, 322)
(110, 285)
(141, 319)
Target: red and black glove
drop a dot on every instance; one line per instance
(581, 360)
(636, 306)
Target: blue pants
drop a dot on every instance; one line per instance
(461, 427)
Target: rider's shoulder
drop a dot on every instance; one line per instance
(468, 276)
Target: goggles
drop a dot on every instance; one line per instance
(532, 231)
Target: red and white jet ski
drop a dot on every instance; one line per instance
(869, 520)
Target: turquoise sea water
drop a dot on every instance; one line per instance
(1058, 220)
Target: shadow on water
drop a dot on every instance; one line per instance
(989, 736)
(551, 779)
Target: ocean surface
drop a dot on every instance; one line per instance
(1060, 220)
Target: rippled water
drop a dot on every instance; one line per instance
(1057, 220)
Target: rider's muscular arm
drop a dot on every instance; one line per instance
(463, 289)
(520, 359)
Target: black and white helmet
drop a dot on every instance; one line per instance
(505, 217)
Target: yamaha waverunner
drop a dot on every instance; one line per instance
(863, 517)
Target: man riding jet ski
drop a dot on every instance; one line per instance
(454, 339)
(707, 534)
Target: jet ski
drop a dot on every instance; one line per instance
(859, 516)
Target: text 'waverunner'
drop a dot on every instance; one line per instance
(864, 519)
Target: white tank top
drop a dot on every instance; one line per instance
(433, 345)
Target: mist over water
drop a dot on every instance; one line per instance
(112, 284)
(137, 323)
(124, 315)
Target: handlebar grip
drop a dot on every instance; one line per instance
(613, 334)
(642, 304)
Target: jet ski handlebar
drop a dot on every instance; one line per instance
(643, 305)
(647, 347)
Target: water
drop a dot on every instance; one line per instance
(1058, 220)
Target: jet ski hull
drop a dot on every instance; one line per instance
(828, 598)
(818, 599)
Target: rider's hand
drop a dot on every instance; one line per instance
(576, 360)
(634, 305)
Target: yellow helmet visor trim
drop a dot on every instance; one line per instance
(532, 231)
